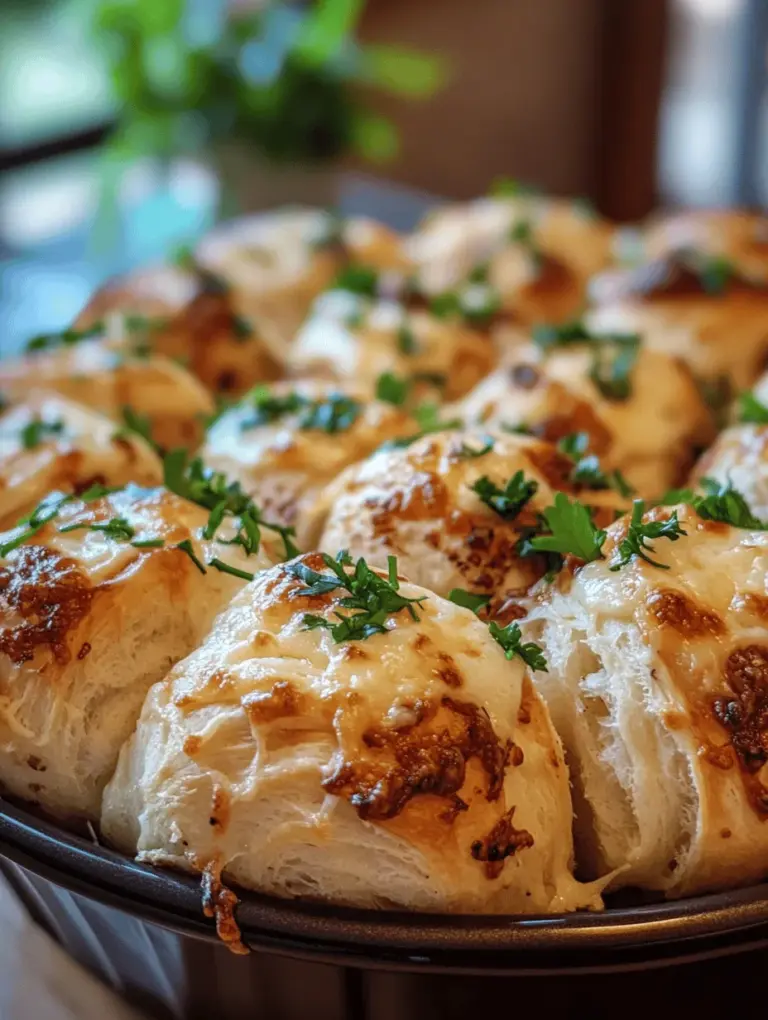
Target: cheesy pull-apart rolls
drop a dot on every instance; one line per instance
(355, 339)
(49, 443)
(169, 402)
(703, 308)
(409, 764)
(285, 442)
(640, 408)
(539, 253)
(99, 596)
(454, 507)
(186, 315)
(734, 235)
(276, 265)
(658, 686)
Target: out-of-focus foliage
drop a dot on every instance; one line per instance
(287, 78)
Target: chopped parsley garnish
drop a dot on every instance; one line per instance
(374, 598)
(187, 547)
(117, 528)
(476, 303)
(227, 568)
(46, 511)
(715, 271)
(613, 358)
(37, 431)
(138, 424)
(64, 338)
(269, 407)
(212, 490)
(548, 336)
(509, 501)
(751, 411)
(393, 389)
(406, 340)
(468, 599)
(511, 640)
(471, 451)
(586, 466)
(241, 327)
(363, 280)
(722, 502)
(571, 531)
(639, 535)
(335, 413)
(148, 543)
(184, 257)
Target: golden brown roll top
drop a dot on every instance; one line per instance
(539, 253)
(640, 408)
(99, 596)
(285, 442)
(735, 235)
(658, 686)
(276, 265)
(187, 315)
(413, 767)
(454, 507)
(355, 339)
(169, 402)
(48, 443)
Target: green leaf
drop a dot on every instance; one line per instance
(269, 407)
(509, 501)
(613, 359)
(404, 72)
(470, 452)
(357, 279)
(336, 413)
(468, 599)
(510, 639)
(37, 431)
(136, 424)
(751, 410)
(639, 536)
(326, 29)
(187, 547)
(226, 568)
(392, 389)
(547, 336)
(722, 502)
(571, 531)
(406, 340)
(375, 138)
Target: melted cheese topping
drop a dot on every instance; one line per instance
(355, 340)
(283, 466)
(88, 622)
(277, 265)
(740, 236)
(200, 328)
(739, 456)
(651, 437)
(418, 504)
(93, 374)
(83, 451)
(372, 772)
(658, 684)
(455, 240)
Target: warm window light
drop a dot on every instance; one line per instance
(712, 8)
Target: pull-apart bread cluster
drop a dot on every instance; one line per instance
(318, 541)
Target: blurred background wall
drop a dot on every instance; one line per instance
(628, 102)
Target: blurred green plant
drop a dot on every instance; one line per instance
(287, 79)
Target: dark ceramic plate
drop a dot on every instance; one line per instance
(622, 937)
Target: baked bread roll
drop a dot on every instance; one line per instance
(286, 442)
(694, 306)
(89, 621)
(739, 457)
(454, 508)
(539, 252)
(649, 421)
(356, 339)
(739, 236)
(188, 316)
(416, 768)
(173, 403)
(275, 265)
(657, 685)
(51, 444)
